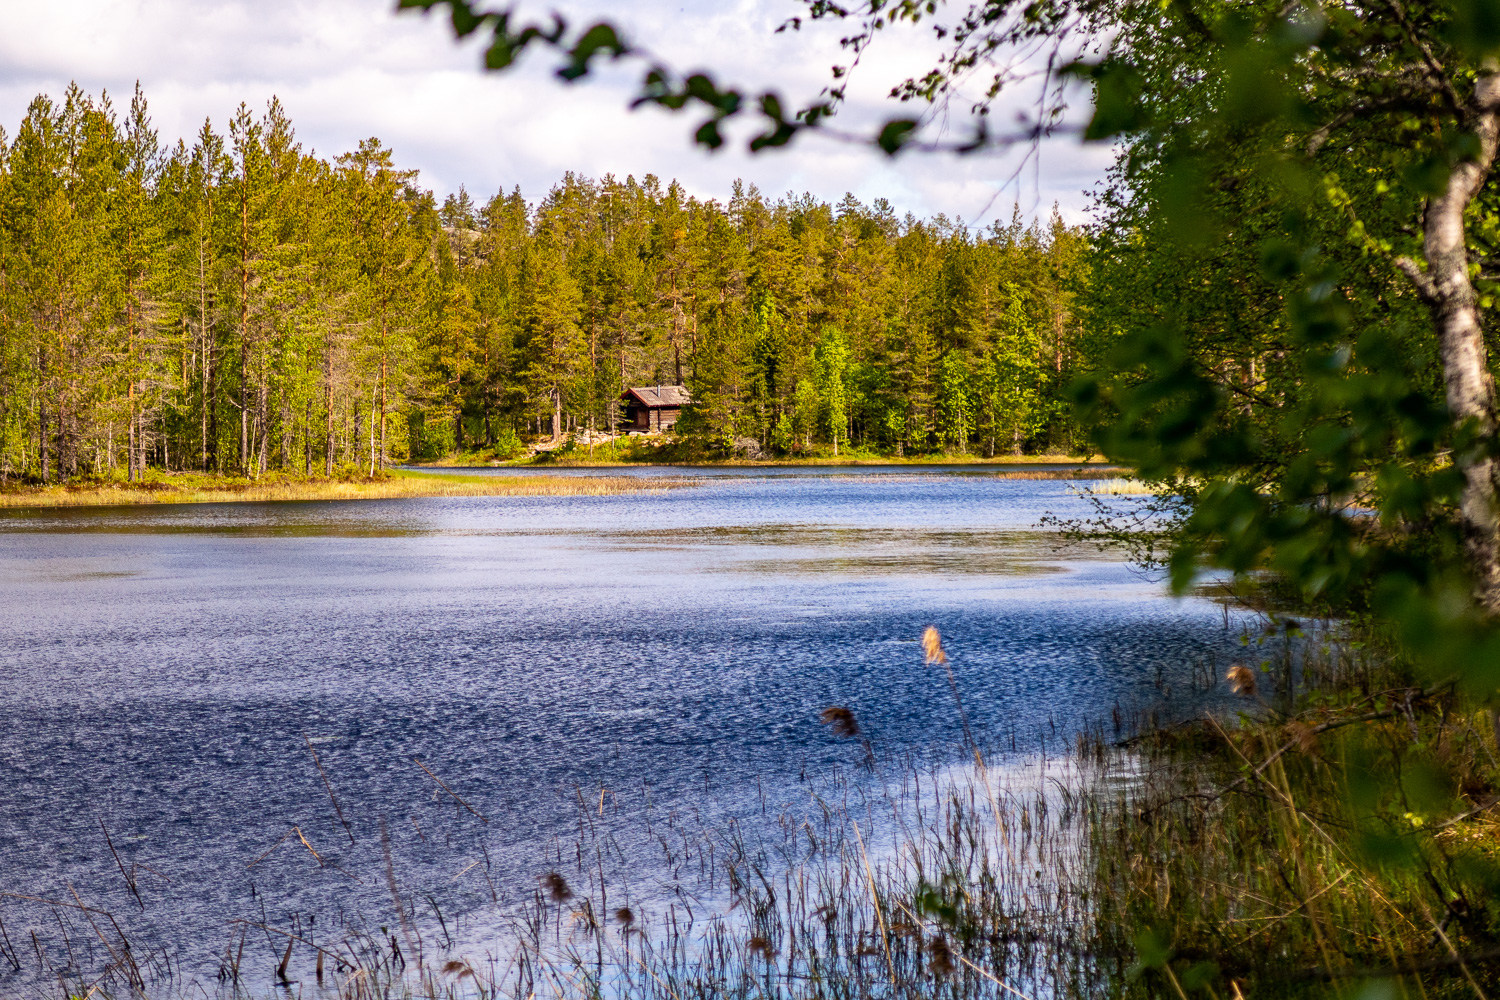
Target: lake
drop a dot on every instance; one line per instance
(480, 676)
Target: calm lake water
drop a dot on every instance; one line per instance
(163, 669)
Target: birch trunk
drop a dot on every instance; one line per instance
(1469, 387)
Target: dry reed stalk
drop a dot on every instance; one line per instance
(390, 881)
(885, 936)
(129, 881)
(290, 936)
(451, 792)
(120, 963)
(11, 956)
(329, 786)
(266, 853)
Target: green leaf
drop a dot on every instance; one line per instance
(1428, 176)
(1378, 989)
(1118, 88)
(896, 133)
(708, 134)
(602, 37)
(1474, 27)
(1153, 947)
(780, 132)
(1200, 975)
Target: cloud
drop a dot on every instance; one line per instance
(351, 69)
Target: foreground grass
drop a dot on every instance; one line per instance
(1334, 836)
(1335, 839)
(170, 488)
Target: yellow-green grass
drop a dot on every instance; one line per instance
(199, 488)
(1122, 488)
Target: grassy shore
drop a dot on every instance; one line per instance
(192, 487)
(580, 457)
(600, 459)
(165, 488)
(669, 450)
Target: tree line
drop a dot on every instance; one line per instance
(233, 303)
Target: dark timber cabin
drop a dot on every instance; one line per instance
(654, 407)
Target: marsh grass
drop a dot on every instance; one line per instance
(1117, 487)
(1337, 833)
(400, 484)
(892, 878)
(1334, 832)
(910, 890)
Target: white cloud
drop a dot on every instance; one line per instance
(350, 69)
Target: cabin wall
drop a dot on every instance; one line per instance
(647, 419)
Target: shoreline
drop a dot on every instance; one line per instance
(1020, 462)
(427, 480)
(397, 484)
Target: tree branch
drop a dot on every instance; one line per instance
(1419, 279)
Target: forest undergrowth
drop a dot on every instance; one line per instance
(698, 449)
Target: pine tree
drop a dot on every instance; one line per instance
(554, 347)
(237, 304)
(392, 249)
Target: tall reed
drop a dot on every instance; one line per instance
(1332, 832)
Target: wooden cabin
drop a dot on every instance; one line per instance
(653, 407)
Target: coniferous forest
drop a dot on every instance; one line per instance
(232, 302)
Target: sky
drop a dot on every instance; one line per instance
(351, 69)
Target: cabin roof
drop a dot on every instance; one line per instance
(656, 396)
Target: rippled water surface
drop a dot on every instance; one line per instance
(164, 670)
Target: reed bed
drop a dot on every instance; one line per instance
(1118, 487)
(203, 489)
(1269, 852)
(940, 884)
(1080, 474)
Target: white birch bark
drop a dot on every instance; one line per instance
(1449, 292)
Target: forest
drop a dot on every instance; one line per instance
(235, 304)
